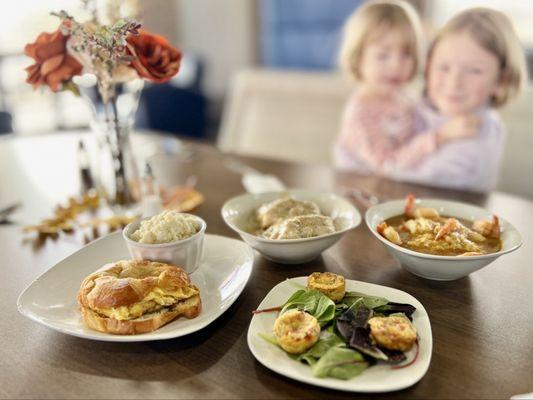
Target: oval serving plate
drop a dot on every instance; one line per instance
(224, 270)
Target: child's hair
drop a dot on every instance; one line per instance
(369, 19)
(493, 31)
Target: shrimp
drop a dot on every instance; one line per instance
(488, 228)
(409, 205)
(449, 226)
(388, 232)
(422, 212)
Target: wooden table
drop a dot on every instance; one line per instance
(482, 325)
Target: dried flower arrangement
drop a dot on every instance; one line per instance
(111, 57)
(117, 51)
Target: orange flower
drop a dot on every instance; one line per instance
(154, 57)
(53, 65)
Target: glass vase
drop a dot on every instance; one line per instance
(113, 115)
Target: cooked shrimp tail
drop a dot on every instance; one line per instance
(488, 228)
(388, 232)
(451, 225)
(495, 232)
(409, 205)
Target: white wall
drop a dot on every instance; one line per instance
(222, 32)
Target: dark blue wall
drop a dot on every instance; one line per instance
(303, 34)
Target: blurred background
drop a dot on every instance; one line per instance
(254, 72)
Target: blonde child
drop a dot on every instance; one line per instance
(380, 51)
(475, 65)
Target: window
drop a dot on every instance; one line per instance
(39, 110)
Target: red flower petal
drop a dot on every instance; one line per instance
(51, 64)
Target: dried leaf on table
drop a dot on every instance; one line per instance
(64, 216)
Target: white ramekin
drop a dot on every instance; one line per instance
(184, 253)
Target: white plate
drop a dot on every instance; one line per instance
(378, 378)
(50, 300)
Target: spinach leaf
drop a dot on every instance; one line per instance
(340, 363)
(330, 329)
(301, 299)
(369, 301)
(339, 310)
(268, 338)
(325, 309)
(320, 348)
(313, 302)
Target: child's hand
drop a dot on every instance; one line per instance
(460, 127)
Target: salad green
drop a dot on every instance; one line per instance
(345, 347)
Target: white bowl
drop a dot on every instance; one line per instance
(441, 268)
(237, 210)
(185, 253)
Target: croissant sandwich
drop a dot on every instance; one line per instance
(131, 297)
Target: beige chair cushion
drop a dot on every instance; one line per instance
(516, 175)
(283, 115)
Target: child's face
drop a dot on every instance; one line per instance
(386, 63)
(462, 75)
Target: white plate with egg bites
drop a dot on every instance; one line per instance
(224, 270)
(377, 378)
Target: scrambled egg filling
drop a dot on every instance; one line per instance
(154, 301)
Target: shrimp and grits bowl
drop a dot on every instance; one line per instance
(441, 239)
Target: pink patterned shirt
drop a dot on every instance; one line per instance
(380, 136)
(397, 138)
